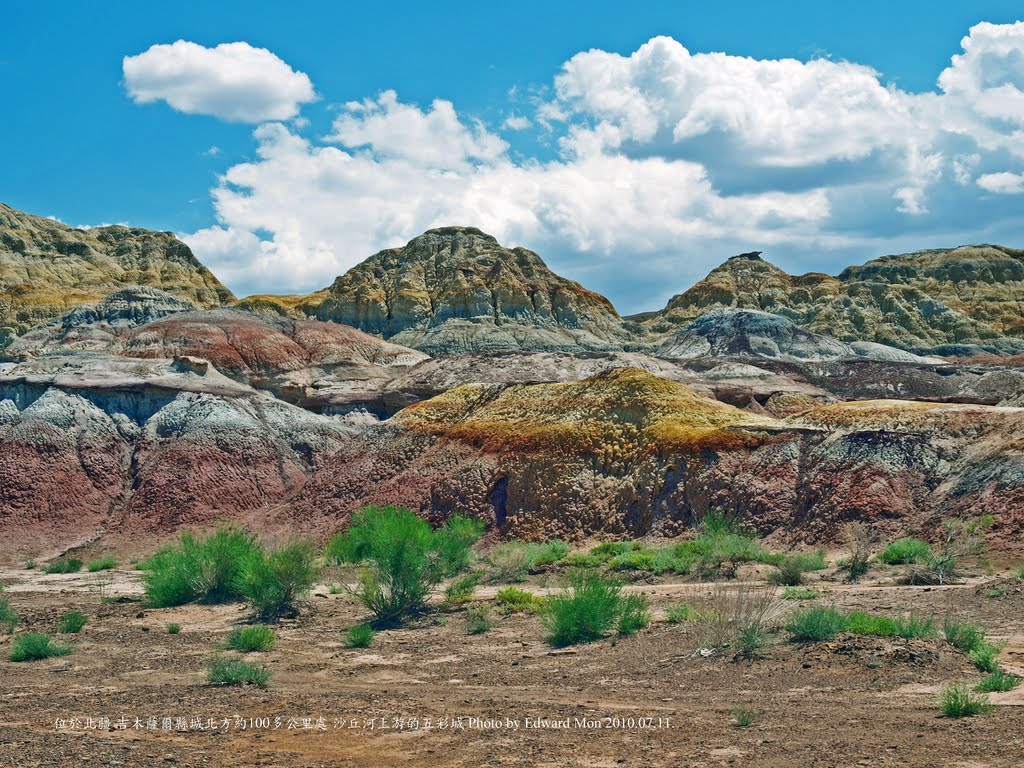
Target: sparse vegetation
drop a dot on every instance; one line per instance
(198, 568)
(815, 624)
(251, 639)
(72, 622)
(961, 539)
(678, 614)
(64, 566)
(905, 551)
(222, 670)
(998, 681)
(462, 589)
(30, 564)
(799, 593)
(359, 636)
(513, 600)
(588, 607)
(860, 539)
(965, 635)
(961, 701)
(403, 557)
(8, 617)
(33, 646)
(274, 583)
(984, 655)
(105, 563)
(511, 561)
(173, 629)
(478, 620)
(740, 618)
(744, 716)
(635, 615)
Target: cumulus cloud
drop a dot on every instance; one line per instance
(668, 161)
(234, 81)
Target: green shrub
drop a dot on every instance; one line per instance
(994, 593)
(744, 716)
(478, 620)
(905, 551)
(105, 563)
(508, 562)
(965, 635)
(997, 682)
(678, 614)
(799, 593)
(984, 656)
(462, 589)
(222, 670)
(203, 568)
(30, 564)
(606, 550)
(64, 566)
(359, 636)
(274, 583)
(910, 626)
(513, 600)
(173, 629)
(587, 608)
(815, 624)
(577, 560)
(961, 538)
(635, 615)
(961, 701)
(789, 571)
(8, 617)
(251, 639)
(634, 560)
(72, 622)
(454, 541)
(548, 553)
(404, 557)
(34, 646)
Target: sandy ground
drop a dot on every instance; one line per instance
(429, 694)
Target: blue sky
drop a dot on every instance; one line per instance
(633, 147)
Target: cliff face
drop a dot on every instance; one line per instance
(48, 268)
(947, 301)
(457, 289)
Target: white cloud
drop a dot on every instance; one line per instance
(668, 162)
(234, 81)
(435, 138)
(1002, 183)
(516, 123)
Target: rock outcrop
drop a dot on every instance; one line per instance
(627, 453)
(456, 289)
(48, 268)
(949, 301)
(131, 450)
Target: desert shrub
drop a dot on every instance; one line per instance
(606, 550)
(72, 622)
(998, 681)
(462, 589)
(815, 624)
(961, 539)
(961, 701)
(798, 593)
(105, 563)
(173, 629)
(678, 614)
(740, 618)
(513, 600)
(64, 566)
(965, 635)
(454, 541)
(508, 562)
(30, 564)
(789, 571)
(222, 670)
(478, 620)
(404, 558)
(251, 639)
(588, 607)
(744, 716)
(203, 568)
(34, 646)
(905, 551)
(274, 583)
(8, 617)
(635, 615)
(633, 560)
(1020, 575)
(994, 593)
(359, 636)
(548, 553)
(860, 539)
(984, 656)
(720, 545)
